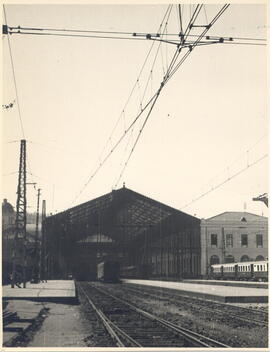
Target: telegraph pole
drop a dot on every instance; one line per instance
(43, 255)
(20, 222)
(37, 251)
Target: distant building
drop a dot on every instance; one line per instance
(148, 238)
(8, 222)
(233, 237)
(8, 215)
(8, 234)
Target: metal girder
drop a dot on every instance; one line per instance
(263, 198)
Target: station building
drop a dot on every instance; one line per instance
(142, 233)
(150, 239)
(233, 237)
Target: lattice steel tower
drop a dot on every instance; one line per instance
(20, 222)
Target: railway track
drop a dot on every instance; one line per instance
(130, 326)
(219, 308)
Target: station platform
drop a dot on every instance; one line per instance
(26, 314)
(51, 291)
(254, 284)
(227, 294)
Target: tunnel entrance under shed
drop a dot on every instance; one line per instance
(149, 239)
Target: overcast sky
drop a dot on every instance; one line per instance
(72, 91)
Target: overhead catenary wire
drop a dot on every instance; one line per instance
(224, 8)
(187, 30)
(134, 86)
(130, 140)
(207, 42)
(139, 36)
(115, 146)
(141, 130)
(79, 36)
(165, 80)
(193, 17)
(150, 76)
(14, 77)
(149, 112)
(239, 157)
(180, 18)
(127, 101)
(142, 109)
(229, 178)
(199, 43)
(20, 28)
(16, 87)
(228, 167)
(138, 136)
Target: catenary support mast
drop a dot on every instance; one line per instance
(37, 246)
(43, 254)
(20, 222)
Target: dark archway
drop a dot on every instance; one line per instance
(214, 260)
(245, 258)
(259, 257)
(229, 259)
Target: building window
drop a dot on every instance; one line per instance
(259, 241)
(229, 259)
(259, 258)
(214, 240)
(244, 240)
(214, 260)
(229, 240)
(245, 258)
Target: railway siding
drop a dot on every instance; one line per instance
(139, 326)
(198, 316)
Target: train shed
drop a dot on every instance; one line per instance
(142, 233)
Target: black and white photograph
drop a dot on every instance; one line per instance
(134, 176)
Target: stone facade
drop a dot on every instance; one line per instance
(233, 237)
(8, 215)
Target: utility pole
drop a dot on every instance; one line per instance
(37, 251)
(43, 254)
(20, 222)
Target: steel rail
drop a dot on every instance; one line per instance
(188, 334)
(122, 332)
(102, 318)
(109, 325)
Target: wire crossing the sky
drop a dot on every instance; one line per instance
(172, 70)
(142, 108)
(229, 178)
(14, 77)
(184, 42)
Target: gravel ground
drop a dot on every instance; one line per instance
(228, 330)
(77, 325)
(259, 306)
